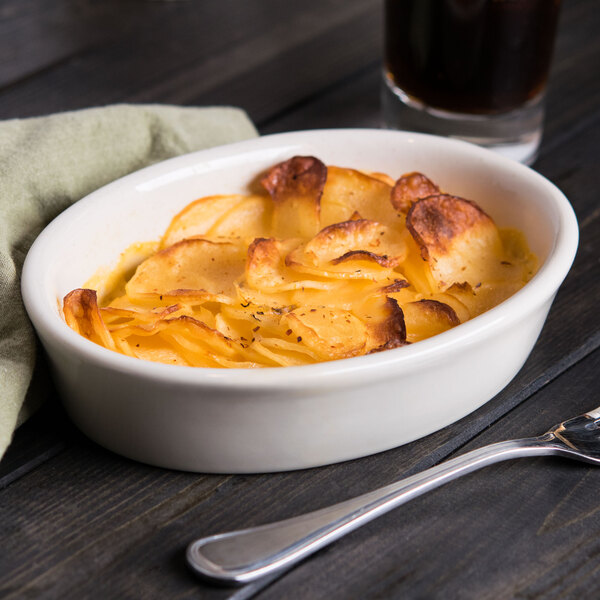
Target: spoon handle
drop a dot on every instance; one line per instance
(248, 554)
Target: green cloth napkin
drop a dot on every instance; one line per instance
(47, 164)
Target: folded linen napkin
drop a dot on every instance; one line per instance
(48, 163)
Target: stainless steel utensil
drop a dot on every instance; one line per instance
(248, 554)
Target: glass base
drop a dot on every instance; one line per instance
(516, 134)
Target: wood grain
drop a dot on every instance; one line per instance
(262, 56)
(77, 521)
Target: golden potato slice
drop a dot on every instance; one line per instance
(244, 330)
(348, 191)
(288, 347)
(109, 282)
(296, 186)
(156, 349)
(427, 317)
(334, 293)
(416, 270)
(356, 266)
(485, 296)
(254, 320)
(456, 238)
(141, 304)
(410, 188)
(284, 354)
(186, 336)
(247, 295)
(266, 268)
(256, 363)
(192, 334)
(197, 218)
(80, 308)
(343, 293)
(247, 220)
(329, 333)
(117, 318)
(520, 263)
(188, 266)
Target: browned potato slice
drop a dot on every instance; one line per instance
(190, 265)
(329, 333)
(80, 308)
(411, 187)
(401, 291)
(427, 317)
(348, 191)
(265, 267)
(355, 249)
(457, 239)
(461, 310)
(375, 241)
(396, 286)
(296, 186)
(385, 323)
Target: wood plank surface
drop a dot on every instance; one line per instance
(262, 56)
(521, 529)
(39, 35)
(77, 521)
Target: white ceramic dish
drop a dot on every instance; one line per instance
(233, 421)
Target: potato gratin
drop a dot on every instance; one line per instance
(323, 263)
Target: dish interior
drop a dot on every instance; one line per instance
(93, 233)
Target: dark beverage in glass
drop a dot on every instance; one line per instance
(478, 58)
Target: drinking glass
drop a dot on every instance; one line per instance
(471, 69)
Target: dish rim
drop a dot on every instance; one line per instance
(385, 364)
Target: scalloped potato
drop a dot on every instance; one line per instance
(327, 263)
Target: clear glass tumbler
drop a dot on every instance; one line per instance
(471, 69)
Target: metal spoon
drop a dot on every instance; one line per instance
(248, 554)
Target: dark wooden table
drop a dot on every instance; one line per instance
(77, 521)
